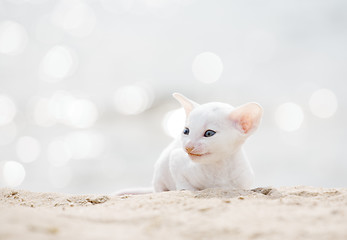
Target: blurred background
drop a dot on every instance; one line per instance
(85, 87)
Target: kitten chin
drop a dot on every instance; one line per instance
(207, 158)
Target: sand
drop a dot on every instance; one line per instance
(263, 213)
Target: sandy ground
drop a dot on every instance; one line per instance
(263, 213)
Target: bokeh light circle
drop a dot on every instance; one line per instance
(82, 113)
(289, 116)
(173, 122)
(59, 63)
(132, 99)
(74, 17)
(207, 67)
(13, 38)
(13, 173)
(323, 103)
(7, 110)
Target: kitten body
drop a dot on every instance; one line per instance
(209, 153)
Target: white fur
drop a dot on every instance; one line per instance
(225, 163)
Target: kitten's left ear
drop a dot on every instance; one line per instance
(247, 117)
(186, 103)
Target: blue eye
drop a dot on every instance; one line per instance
(209, 133)
(186, 131)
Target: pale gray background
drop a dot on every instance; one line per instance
(272, 52)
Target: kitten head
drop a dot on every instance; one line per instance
(214, 131)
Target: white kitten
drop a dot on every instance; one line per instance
(209, 152)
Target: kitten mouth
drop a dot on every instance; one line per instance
(197, 155)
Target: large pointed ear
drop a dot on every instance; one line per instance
(247, 117)
(186, 103)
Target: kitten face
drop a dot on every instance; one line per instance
(210, 135)
(214, 131)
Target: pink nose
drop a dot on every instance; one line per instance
(189, 149)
